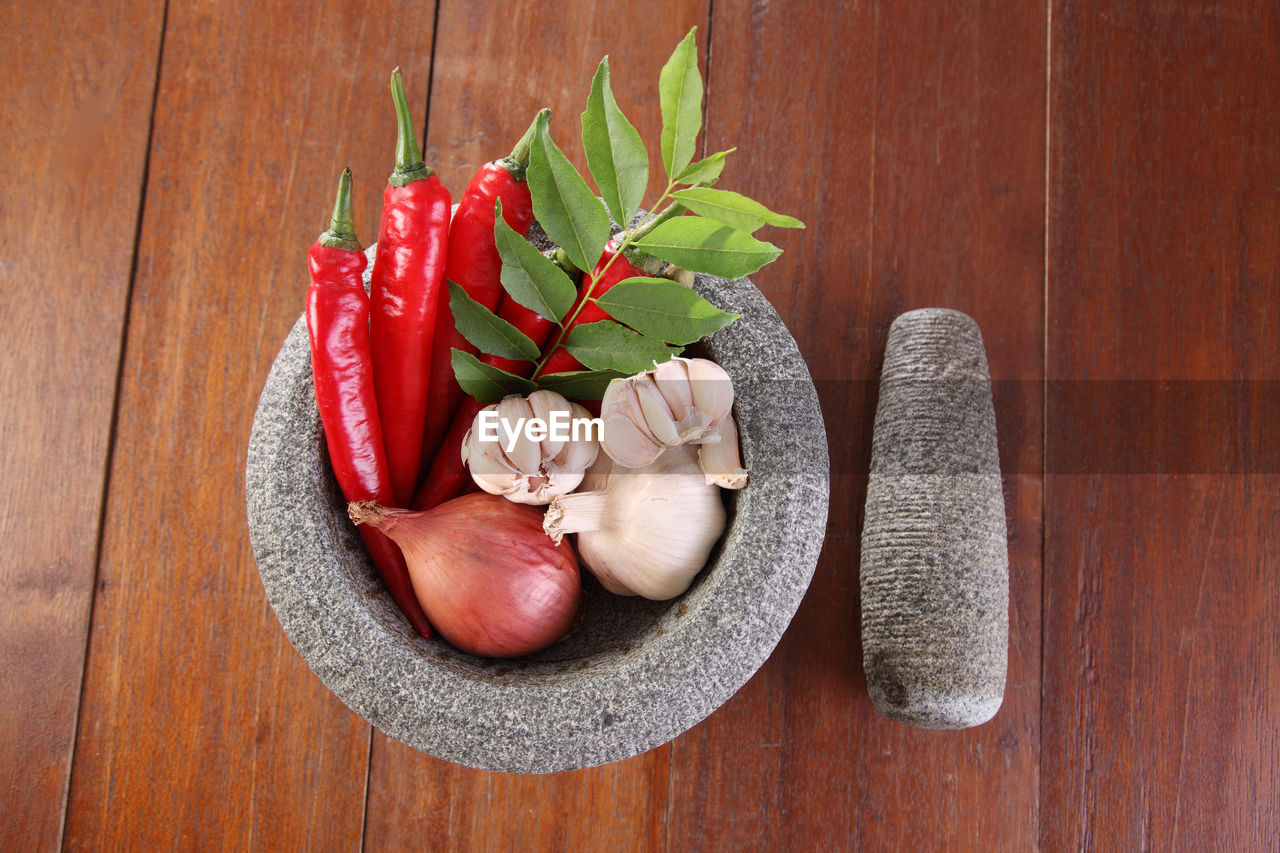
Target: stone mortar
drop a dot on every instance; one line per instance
(935, 564)
(637, 673)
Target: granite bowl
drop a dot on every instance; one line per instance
(637, 673)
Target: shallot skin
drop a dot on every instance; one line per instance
(490, 580)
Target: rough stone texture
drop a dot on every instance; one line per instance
(935, 562)
(638, 673)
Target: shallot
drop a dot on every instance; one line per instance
(489, 579)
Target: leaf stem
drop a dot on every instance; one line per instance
(628, 239)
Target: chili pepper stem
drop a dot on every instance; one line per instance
(652, 222)
(342, 229)
(650, 216)
(409, 164)
(518, 160)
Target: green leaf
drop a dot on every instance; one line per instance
(706, 170)
(486, 331)
(569, 211)
(680, 95)
(606, 345)
(615, 151)
(530, 277)
(703, 245)
(733, 209)
(580, 384)
(664, 310)
(486, 383)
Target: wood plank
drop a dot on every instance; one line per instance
(201, 728)
(488, 81)
(494, 72)
(914, 149)
(619, 806)
(71, 163)
(1162, 607)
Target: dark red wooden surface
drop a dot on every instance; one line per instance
(1097, 183)
(1162, 603)
(73, 153)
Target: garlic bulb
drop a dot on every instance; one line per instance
(530, 449)
(677, 402)
(719, 457)
(642, 532)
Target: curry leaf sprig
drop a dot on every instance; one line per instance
(691, 225)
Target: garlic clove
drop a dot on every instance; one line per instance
(628, 443)
(657, 414)
(579, 454)
(626, 436)
(491, 472)
(470, 447)
(677, 388)
(543, 403)
(524, 454)
(470, 444)
(719, 457)
(712, 389)
(672, 379)
(620, 401)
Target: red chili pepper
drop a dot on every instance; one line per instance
(474, 264)
(408, 276)
(560, 360)
(447, 477)
(338, 326)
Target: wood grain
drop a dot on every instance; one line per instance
(1121, 157)
(1161, 600)
(914, 151)
(201, 728)
(72, 158)
(493, 72)
(488, 81)
(416, 801)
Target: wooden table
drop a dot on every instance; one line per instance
(1097, 183)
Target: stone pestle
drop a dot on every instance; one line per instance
(935, 563)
